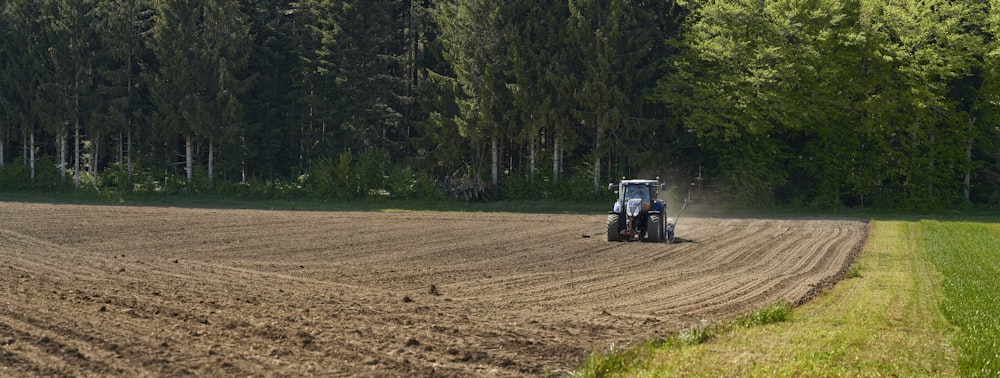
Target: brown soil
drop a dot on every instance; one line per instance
(136, 291)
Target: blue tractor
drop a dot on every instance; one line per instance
(638, 214)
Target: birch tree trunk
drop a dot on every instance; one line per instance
(76, 125)
(76, 153)
(597, 160)
(128, 158)
(63, 151)
(211, 160)
(243, 160)
(189, 157)
(532, 157)
(495, 169)
(556, 157)
(121, 148)
(95, 157)
(31, 154)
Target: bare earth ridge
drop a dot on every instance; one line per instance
(146, 291)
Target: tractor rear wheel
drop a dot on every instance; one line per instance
(614, 232)
(655, 227)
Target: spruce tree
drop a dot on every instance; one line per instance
(121, 25)
(72, 49)
(471, 37)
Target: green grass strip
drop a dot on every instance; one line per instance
(775, 313)
(968, 256)
(885, 320)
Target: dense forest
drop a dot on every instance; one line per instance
(806, 103)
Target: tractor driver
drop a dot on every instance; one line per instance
(638, 191)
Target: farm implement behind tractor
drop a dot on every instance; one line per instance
(638, 214)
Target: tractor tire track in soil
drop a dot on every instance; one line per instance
(145, 291)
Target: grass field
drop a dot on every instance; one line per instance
(922, 301)
(968, 256)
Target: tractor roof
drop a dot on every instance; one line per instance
(640, 182)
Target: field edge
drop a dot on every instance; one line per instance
(884, 318)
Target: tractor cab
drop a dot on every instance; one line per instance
(641, 193)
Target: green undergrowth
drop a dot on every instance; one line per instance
(884, 319)
(775, 313)
(619, 359)
(968, 256)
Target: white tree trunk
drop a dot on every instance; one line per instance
(189, 157)
(211, 160)
(128, 156)
(63, 151)
(31, 154)
(121, 148)
(94, 157)
(556, 157)
(243, 161)
(495, 153)
(597, 175)
(76, 153)
(76, 127)
(533, 152)
(597, 161)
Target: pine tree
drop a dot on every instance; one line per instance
(536, 34)
(5, 93)
(321, 94)
(201, 48)
(72, 50)
(121, 27)
(275, 63)
(226, 40)
(23, 67)
(471, 37)
(175, 82)
(616, 43)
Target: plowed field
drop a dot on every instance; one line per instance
(137, 291)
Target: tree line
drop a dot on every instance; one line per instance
(823, 103)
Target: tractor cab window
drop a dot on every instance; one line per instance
(637, 191)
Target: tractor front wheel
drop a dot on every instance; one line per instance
(614, 232)
(655, 228)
